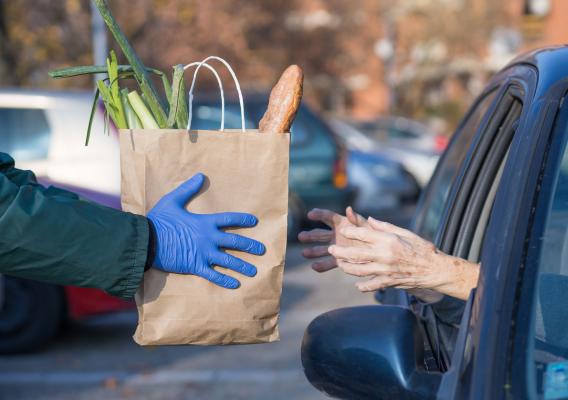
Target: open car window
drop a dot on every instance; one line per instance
(479, 233)
(487, 169)
(429, 213)
(470, 211)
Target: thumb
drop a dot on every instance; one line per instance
(353, 217)
(184, 192)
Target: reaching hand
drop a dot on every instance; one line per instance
(188, 243)
(395, 257)
(323, 261)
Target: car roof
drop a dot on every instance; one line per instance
(552, 60)
(29, 98)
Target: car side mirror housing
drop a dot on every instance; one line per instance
(368, 352)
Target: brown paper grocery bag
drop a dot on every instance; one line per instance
(246, 172)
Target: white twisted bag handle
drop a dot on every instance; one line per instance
(198, 64)
(237, 85)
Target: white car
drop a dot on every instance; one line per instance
(45, 132)
(418, 153)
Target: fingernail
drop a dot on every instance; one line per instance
(331, 249)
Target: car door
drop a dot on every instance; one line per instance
(483, 362)
(459, 200)
(537, 360)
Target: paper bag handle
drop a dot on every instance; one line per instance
(237, 85)
(194, 64)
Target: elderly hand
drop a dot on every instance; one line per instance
(323, 261)
(395, 257)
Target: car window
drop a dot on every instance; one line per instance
(550, 311)
(481, 227)
(432, 205)
(208, 117)
(470, 210)
(486, 168)
(24, 133)
(304, 125)
(396, 133)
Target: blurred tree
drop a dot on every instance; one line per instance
(330, 40)
(442, 53)
(335, 41)
(38, 35)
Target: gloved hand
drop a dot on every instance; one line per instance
(188, 243)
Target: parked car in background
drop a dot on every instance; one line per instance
(382, 183)
(499, 197)
(318, 159)
(409, 142)
(403, 132)
(45, 132)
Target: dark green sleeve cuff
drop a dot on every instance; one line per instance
(135, 274)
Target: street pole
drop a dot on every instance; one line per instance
(99, 40)
(390, 63)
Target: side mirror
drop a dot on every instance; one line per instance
(369, 352)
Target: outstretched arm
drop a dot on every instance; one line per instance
(395, 257)
(51, 235)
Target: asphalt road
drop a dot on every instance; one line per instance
(97, 359)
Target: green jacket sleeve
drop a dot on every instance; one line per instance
(51, 235)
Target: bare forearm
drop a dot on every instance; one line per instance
(458, 276)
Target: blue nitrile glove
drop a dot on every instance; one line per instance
(188, 243)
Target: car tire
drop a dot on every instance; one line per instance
(296, 212)
(31, 315)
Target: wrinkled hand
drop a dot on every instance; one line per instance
(188, 243)
(323, 261)
(395, 257)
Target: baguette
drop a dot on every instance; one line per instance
(284, 102)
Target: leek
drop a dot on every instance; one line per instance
(143, 113)
(132, 119)
(146, 86)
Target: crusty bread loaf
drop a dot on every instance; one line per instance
(284, 102)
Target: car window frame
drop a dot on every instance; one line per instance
(483, 178)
